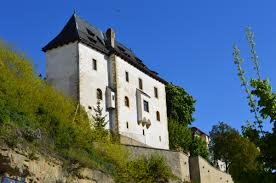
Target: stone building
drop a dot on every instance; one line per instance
(90, 65)
(196, 132)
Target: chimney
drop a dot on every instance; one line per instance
(110, 34)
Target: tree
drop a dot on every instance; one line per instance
(262, 103)
(99, 121)
(198, 147)
(180, 136)
(237, 152)
(180, 105)
(180, 109)
(221, 145)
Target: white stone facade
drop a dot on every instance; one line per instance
(62, 68)
(155, 135)
(70, 70)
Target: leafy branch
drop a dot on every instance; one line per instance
(244, 83)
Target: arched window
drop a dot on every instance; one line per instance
(99, 94)
(126, 101)
(157, 116)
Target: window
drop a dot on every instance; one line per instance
(140, 84)
(160, 138)
(113, 97)
(94, 64)
(90, 32)
(155, 92)
(122, 49)
(126, 102)
(127, 77)
(89, 107)
(146, 106)
(92, 40)
(144, 132)
(157, 116)
(99, 94)
(127, 125)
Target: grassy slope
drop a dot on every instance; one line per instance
(33, 114)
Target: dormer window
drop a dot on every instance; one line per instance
(140, 84)
(90, 32)
(92, 40)
(94, 64)
(122, 49)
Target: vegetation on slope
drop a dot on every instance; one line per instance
(35, 115)
(180, 107)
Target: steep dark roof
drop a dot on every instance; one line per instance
(195, 129)
(78, 29)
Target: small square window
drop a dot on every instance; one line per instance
(127, 77)
(146, 106)
(94, 64)
(140, 84)
(156, 92)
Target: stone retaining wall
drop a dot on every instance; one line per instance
(178, 161)
(202, 172)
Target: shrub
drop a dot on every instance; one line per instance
(180, 136)
(198, 147)
(152, 169)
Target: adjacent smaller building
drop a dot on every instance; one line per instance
(196, 132)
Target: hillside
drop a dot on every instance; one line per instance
(34, 116)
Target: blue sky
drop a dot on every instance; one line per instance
(188, 42)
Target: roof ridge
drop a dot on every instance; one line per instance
(76, 23)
